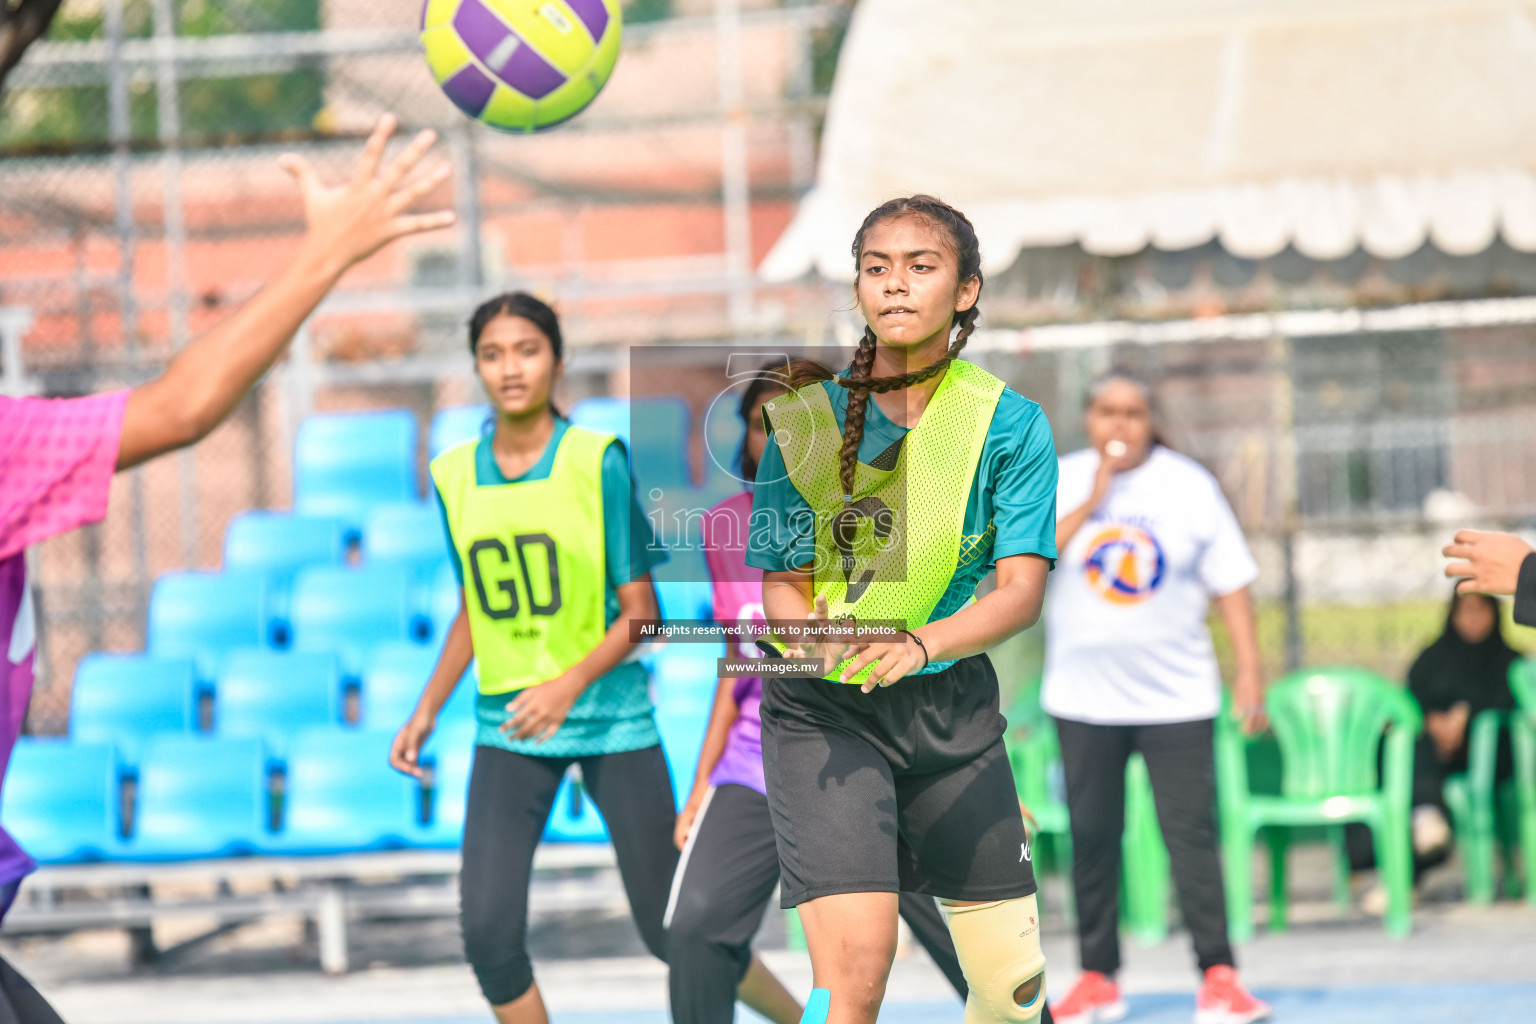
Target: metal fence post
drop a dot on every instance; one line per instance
(168, 107)
(735, 183)
(120, 130)
(466, 206)
(1287, 488)
(13, 378)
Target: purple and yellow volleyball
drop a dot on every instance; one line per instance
(521, 65)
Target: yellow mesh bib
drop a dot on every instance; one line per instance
(534, 560)
(902, 554)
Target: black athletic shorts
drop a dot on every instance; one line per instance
(907, 788)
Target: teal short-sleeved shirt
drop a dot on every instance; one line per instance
(1011, 509)
(614, 713)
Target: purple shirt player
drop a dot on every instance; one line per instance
(738, 598)
(57, 458)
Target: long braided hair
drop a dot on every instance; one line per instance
(859, 383)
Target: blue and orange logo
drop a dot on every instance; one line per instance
(1125, 564)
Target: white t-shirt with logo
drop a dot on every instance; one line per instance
(1125, 613)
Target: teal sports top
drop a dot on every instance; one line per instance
(614, 714)
(1011, 509)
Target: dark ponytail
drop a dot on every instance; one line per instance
(860, 384)
(520, 304)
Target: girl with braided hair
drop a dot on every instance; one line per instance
(887, 492)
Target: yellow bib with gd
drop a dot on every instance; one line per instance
(535, 565)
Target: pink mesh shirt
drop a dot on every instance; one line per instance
(57, 457)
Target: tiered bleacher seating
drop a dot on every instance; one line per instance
(203, 615)
(233, 733)
(450, 753)
(407, 533)
(349, 611)
(125, 699)
(341, 794)
(346, 463)
(277, 545)
(267, 695)
(62, 799)
(456, 424)
(200, 796)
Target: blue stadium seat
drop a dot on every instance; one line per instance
(687, 671)
(466, 698)
(345, 463)
(655, 430)
(124, 699)
(279, 544)
(456, 424)
(392, 680)
(605, 415)
(200, 797)
(723, 432)
(408, 533)
(444, 596)
(682, 721)
(62, 799)
(205, 615)
(658, 443)
(348, 611)
(451, 751)
(574, 817)
(270, 695)
(683, 590)
(341, 794)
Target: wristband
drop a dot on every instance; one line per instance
(920, 644)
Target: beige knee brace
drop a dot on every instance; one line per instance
(999, 949)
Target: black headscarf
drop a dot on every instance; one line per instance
(1452, 669)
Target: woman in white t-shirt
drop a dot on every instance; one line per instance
(1146, 542)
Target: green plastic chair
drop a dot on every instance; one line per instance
(1328, 722)
(1034, 751)
(1476, 800)
(1522, 682)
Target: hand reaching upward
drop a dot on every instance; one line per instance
(350, 222)
(346, 223)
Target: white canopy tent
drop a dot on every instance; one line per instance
(1328, 125)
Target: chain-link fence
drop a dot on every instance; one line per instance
(140, 200)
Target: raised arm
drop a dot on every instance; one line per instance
(1103, 480)
(721, 717)
(452, 663)
(346, 223)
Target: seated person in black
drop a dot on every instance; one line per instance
(1464, 672)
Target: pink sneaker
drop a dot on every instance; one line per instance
(1223, 1000)
(1095, 999)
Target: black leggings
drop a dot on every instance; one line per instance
(1181, 761)
(510, 797)
(19, 1001)
(723, 884)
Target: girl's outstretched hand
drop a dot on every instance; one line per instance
(352, 221)
(827, 654)
(405, 751)
(893, 662)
